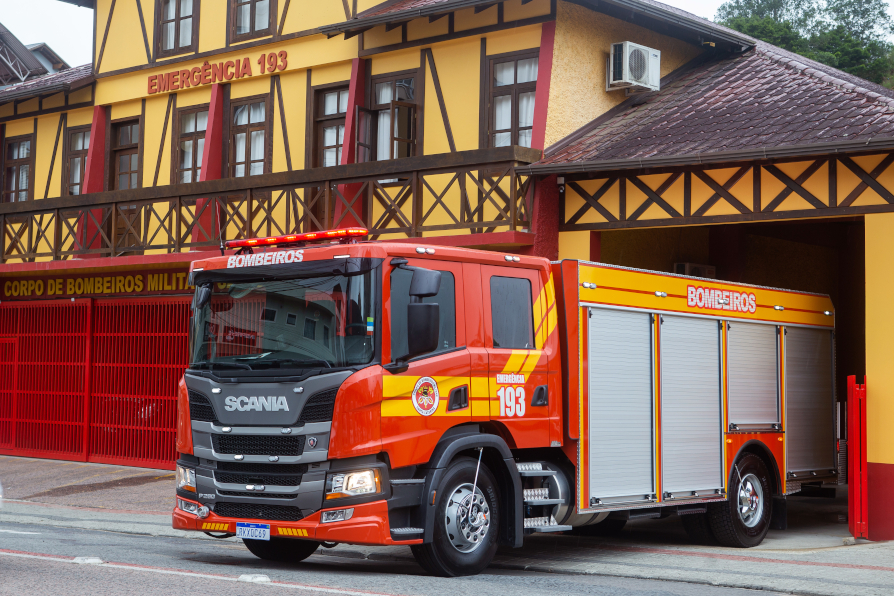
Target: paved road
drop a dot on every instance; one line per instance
(37, 559)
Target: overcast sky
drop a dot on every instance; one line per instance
(66, 28)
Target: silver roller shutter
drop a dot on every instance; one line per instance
(691, 437)
(809, 400)
(753, 374)
(620, 405)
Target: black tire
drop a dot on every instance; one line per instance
(607, 527)
(285, 550)
(745, 526)
(698, 528)
(440, 557)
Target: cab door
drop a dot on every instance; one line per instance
(517, 369)
(432, 395)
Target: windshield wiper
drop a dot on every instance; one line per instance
(293, 362)
(220, 365)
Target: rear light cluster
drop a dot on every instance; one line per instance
(293, 238)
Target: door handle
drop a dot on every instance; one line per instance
(541, 396)
(459, 398)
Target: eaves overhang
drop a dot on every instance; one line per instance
(693, 28)
(399, 16)
(44, 91)
(714, 157)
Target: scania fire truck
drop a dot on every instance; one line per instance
(454, 400)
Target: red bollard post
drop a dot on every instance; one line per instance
(857, 497)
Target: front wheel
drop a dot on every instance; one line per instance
(744, 519)
(466, 523)
(285, 550)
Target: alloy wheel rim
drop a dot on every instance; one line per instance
(467, 518)
(751, 500)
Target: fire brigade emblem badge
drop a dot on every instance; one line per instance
(426, 396)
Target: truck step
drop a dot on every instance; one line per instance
(544, 501)
(407, 530)
(533, 469)
(543, 524)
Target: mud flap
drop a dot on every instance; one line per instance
(779, 516)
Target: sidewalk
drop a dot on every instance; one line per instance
(808, 558)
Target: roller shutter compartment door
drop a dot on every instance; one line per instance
(691, 437)
(620, 405)
(753, 374)
(809, 400)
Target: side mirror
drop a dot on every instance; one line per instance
(425, 283)
(203, 295)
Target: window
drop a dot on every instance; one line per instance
(310, 328)
(190, 144)
(513, 82)
(18, 168)
(512, 313)
(326, 337)
(126, 155)
(331, 109)
(291, 319)
(76, 159)
(268, 314)
(400, 298)
(178, 27)
(393, 101)
(252, 18)
(248, 138)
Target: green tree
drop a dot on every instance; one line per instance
(803, 15)
(864, 20)
(847, 34)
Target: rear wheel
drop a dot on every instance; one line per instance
(286, 550)
(744, 519)
(466, 523)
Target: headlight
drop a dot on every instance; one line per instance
(186, 478)
(352, 484)
(198, 510)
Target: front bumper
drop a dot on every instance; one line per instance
(369, 525)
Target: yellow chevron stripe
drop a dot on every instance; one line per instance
(402, 405)
(531, 362)
(515, 361)
(215, 527)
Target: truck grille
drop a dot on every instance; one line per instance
(268, 479)
(236, 493)
(200, 409)
(257, 445)
(256, 468)
(319, 407)
(255, 511)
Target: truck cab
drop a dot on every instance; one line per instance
(334, 388)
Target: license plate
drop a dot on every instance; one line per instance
(253, 531)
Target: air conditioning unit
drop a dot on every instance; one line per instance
(633, 67)
(696, 270)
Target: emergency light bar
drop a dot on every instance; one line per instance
(292, 238)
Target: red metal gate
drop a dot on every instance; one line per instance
(92, 380)
(857, 498)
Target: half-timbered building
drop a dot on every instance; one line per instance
(524, 126)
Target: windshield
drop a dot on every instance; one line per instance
(322, 319)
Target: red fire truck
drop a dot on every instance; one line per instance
(454, 400)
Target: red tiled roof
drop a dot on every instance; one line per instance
(61, 80)
(764, 98)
